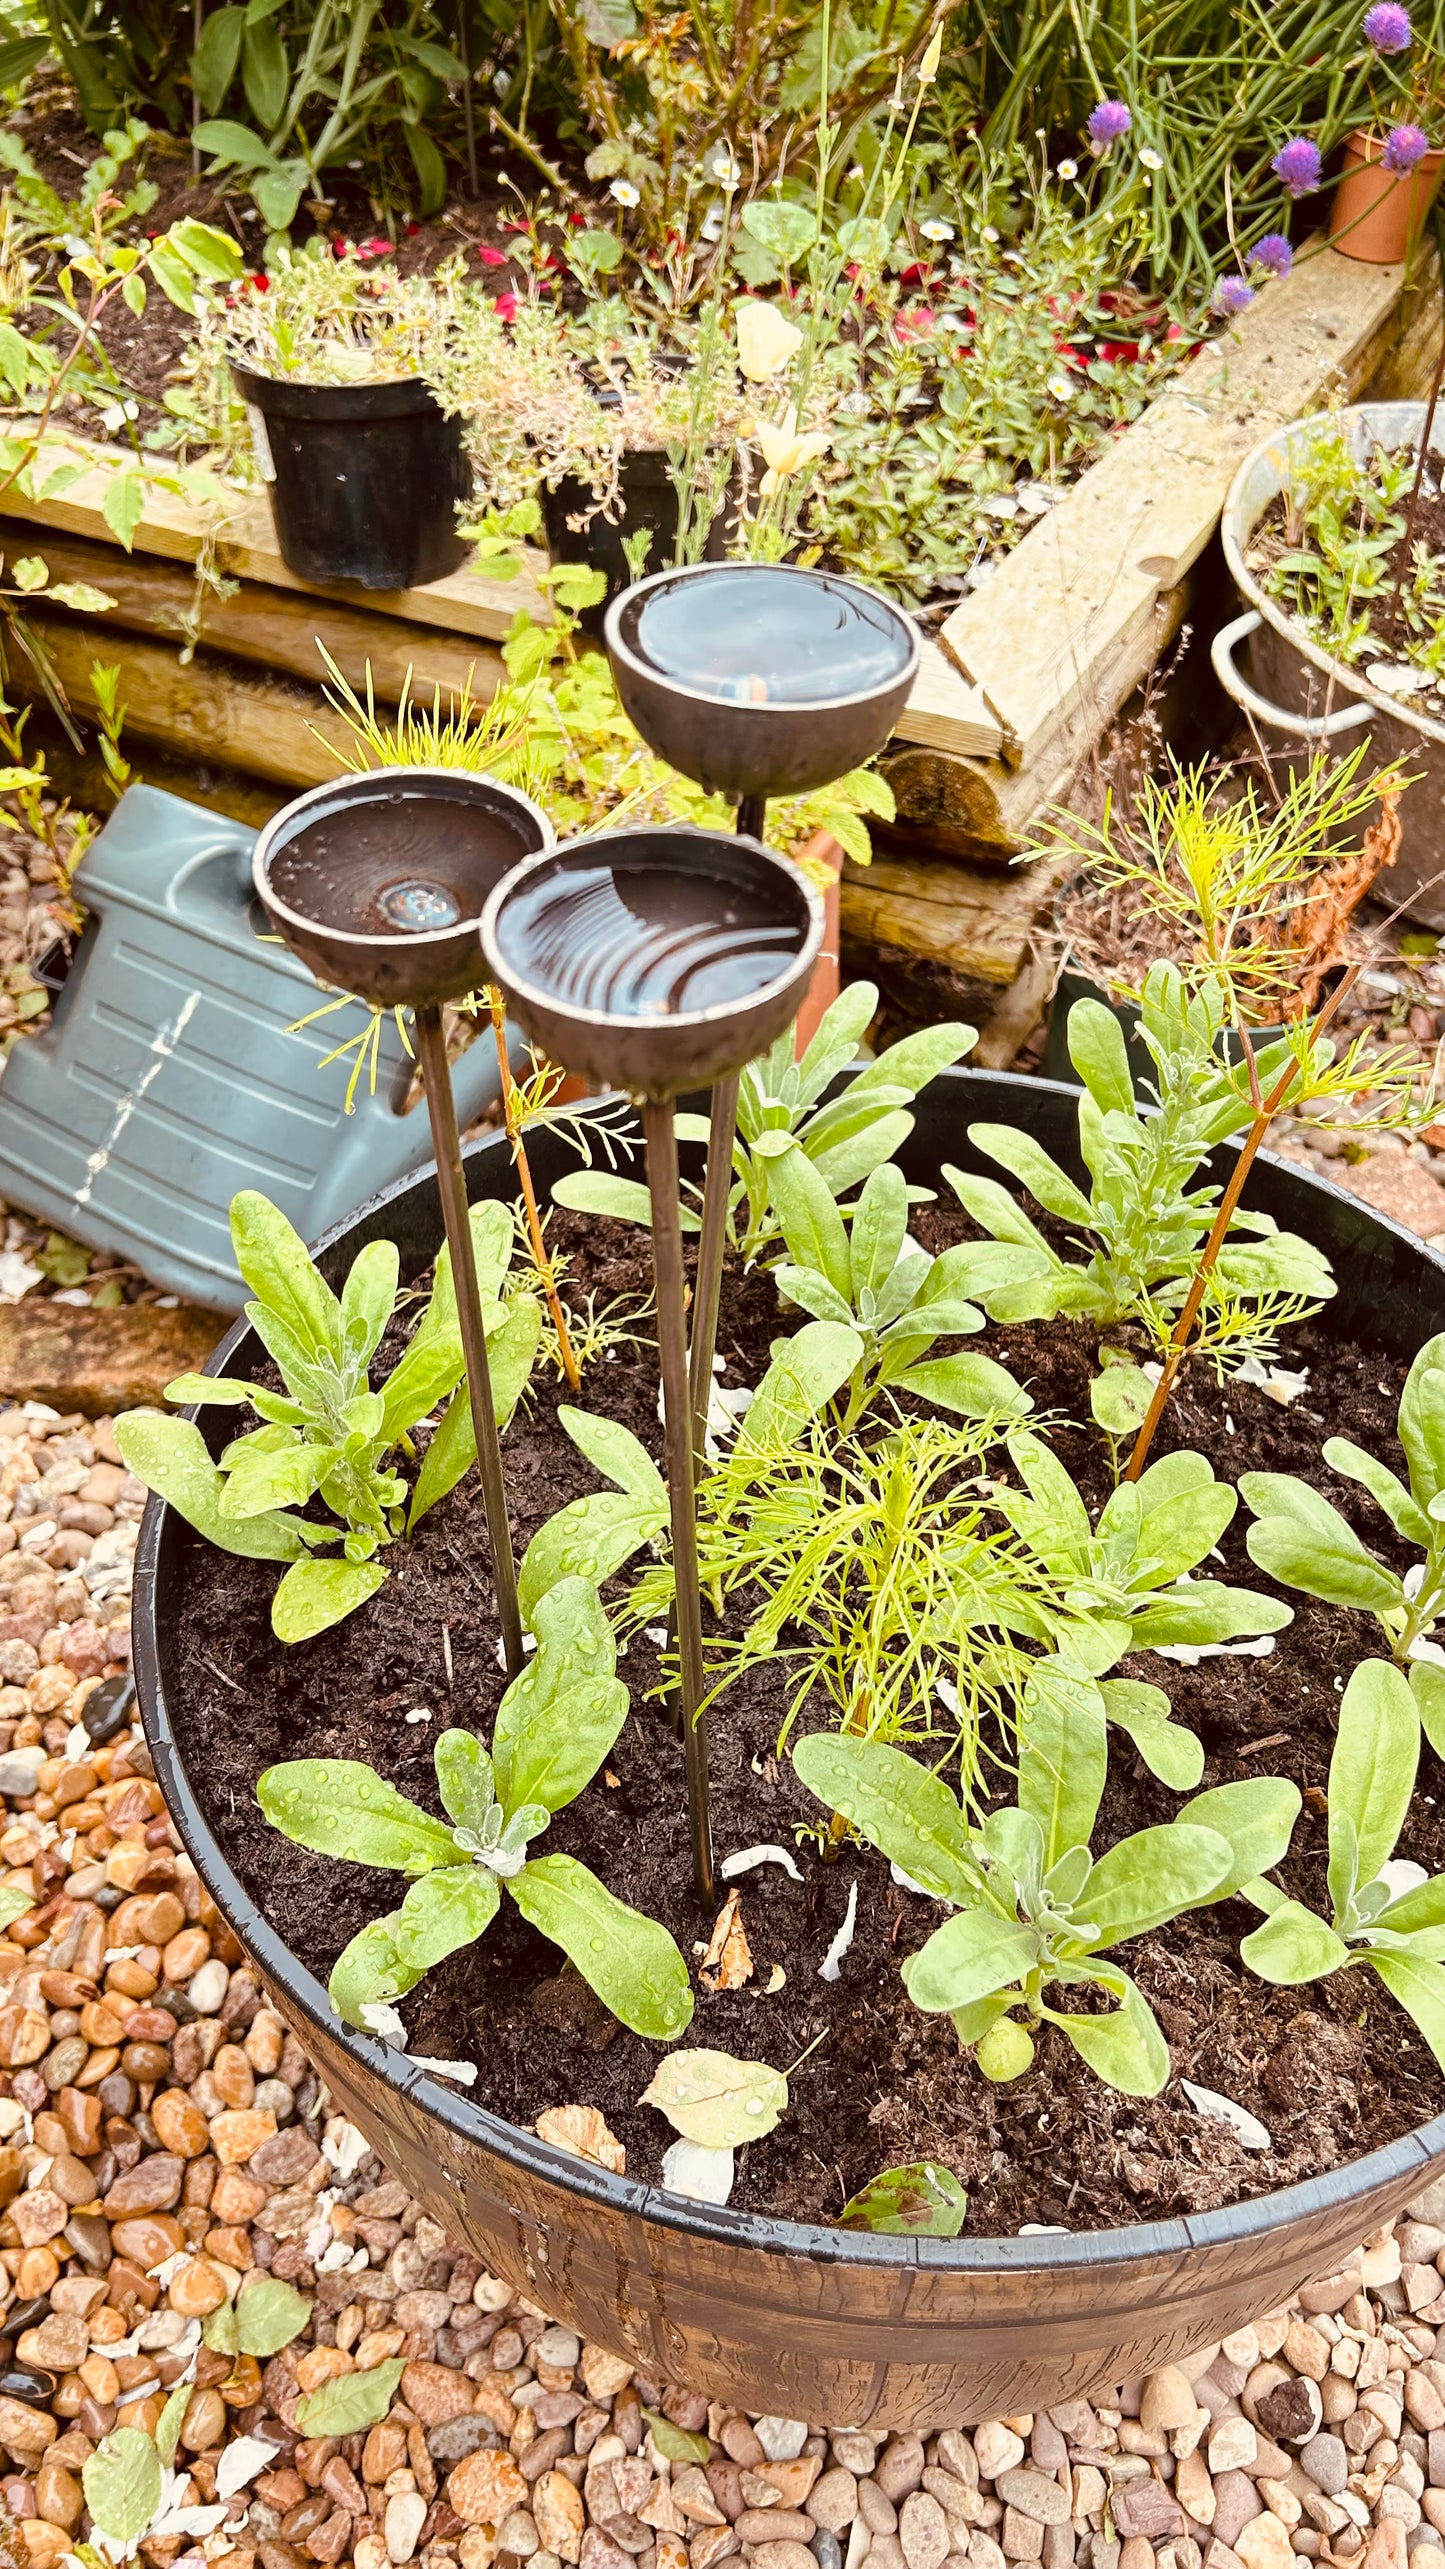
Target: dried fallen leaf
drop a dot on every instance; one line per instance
(728, 1961)
(777, 1979)
(583, 2131)
(715, 2100)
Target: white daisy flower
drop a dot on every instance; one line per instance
(1068, 169)
(623, 192)
(1151, 160)
(936, 231)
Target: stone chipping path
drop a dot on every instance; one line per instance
(163, 2139)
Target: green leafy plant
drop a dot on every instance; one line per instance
(880, 1574)
(1127, 1582)
(1033, 1906)
(1301, 1539)
(1145, 1215)
(783, 1107)
(555, 1725)
(1384, 1913)
(329, 1433)
(869, 1276)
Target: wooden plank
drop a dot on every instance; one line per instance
(276, 630)
(979, 924)
(1053, 638)
(946, 710)
(213, 709)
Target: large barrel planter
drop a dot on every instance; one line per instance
(837, 2327)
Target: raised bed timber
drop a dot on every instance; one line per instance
(1026, 677)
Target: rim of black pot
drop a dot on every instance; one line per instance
(382, 397)
(631, 600)
(439, 782)
(641, 2199)
(670, 836)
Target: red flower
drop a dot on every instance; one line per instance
(413, 227)
(576, 220)
(489, 257)
(262, 284)
(505, 307)
(514, 223)
(1120, 352)
(342, 249)
(377, 249)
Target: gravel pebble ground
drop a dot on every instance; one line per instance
(163, 2140)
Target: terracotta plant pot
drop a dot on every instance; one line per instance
(1379, 214)
(765, 2313)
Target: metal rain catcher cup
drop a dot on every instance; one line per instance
(378, 883)
(654, 960)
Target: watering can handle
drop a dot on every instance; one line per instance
(1304, 726)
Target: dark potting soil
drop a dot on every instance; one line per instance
(1331, 2071)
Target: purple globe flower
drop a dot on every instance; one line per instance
(1232, 296)
(1387, 27)
(1273, 254)
(1403, 148)
(1297, 164)
(1110, 121)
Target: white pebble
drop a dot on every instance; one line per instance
(206, 1989)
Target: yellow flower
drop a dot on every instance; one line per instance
(766, 341)
(928, 68)
(786, 452)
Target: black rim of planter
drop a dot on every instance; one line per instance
(638, 2198)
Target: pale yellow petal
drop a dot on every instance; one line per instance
(767, 341)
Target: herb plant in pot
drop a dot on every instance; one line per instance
(365, 471)
(1391, 170)
(934, 1405)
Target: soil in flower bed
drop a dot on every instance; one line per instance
(1331, 2071)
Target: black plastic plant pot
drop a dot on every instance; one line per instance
(654, 960)
(379, 881)
(758, 677)
(365, 479)
(838, 2327)
(648, 500)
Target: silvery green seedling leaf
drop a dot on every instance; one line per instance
(1420, 1989)
(840, 1031)
(269, 2314)
(1299, 1538)
(590, 1538)
(426, 1374)
(316, 1594)
(492, 1235)
(968, 1958)
(880, 1226)
(802, 1378)
(349, 2402)
(1422, 1420)
(369, 1968)
(717, 2101)
(859, 1138)
(1372, 1770)
(1100, 1056)
(224, 1391)
(442, 1912)
(511, 1352)
(171, 1456)
(278, 1267)
(1171, 1476)
(1383, 1485)
(809, 1218)
(1293, 1946)
(1206, 1611)
(629, 1960)
(1183, 1530)
(1427, 1685)
(368, 1299)
(1119, 1400)
(1416, 1912)
(122, 2484)
(1064, 1756)
(1057, 1523)
(996, 1212)
(921, 2201)
(337, 1806)
(464, 1778)
(971, 1386)
(220, 2330)
(903, 1809)
(14, 1901)
(1256, 1817)
(615, 1452)
(812, 1293)
(560, 1717)
(1026, 1160)
(622, 1199)
(1151, 1877)
(271, 1477)
(168, 2425)
(1125, 2049)
(918, 1058)
(1169, 1751)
